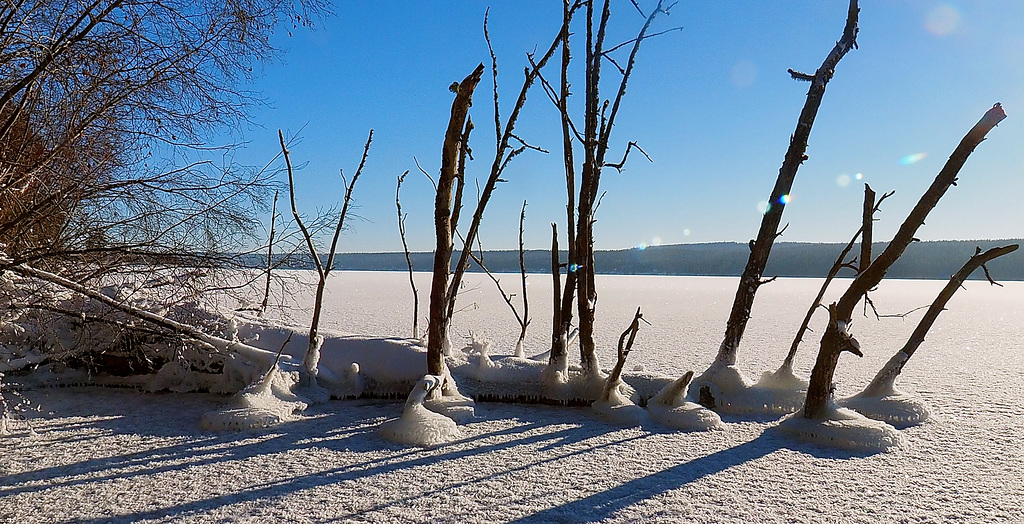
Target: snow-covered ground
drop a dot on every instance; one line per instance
(117, 455)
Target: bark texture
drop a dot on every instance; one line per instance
(451, 152)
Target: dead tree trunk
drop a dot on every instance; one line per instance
(505, 152)
(563, 309)
(623, 351)
(598, 124)
(866, 229)
(887, 375)
(524, 321)
(559, 333)
(836, 338)
(761, 247)
(270, 256)
(437, 328)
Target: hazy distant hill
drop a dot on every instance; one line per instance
(926, 260)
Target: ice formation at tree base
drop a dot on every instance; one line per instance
(894, 407)
(419, 426)
(843, 428)
(733, 394)
(266, 403)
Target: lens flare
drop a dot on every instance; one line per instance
(686, 232)
(843, 180)
(763, 207)
(642, 246)
(859, 176)
(785, 199)
(912, 159)
(656, 241)
(943, 20)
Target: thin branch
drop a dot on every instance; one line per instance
(408, 258)
(629, 147)
(430, 178)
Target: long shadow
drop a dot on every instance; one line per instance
(407, 459)
(604, 504)
(198, 450)
(331, 427)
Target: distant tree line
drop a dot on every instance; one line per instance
(935, 260)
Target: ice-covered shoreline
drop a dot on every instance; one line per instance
(102, 455)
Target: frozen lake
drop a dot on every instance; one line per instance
(105, 455)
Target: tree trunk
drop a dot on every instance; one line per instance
(866, 229)
(450, 152)
(836, 266)
(820, 389)
(524, 322)
(558, 332)
(887, 375)
(761, 247)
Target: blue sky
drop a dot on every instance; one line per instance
(712, 104)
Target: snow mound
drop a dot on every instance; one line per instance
(729, 391)
(418, 425)
(894, 407)
(348, 365)
(617, 409)
(266, 403)
(843, 428)
(670, 408)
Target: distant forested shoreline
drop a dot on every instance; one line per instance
(923, 260)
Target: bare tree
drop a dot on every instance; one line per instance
(453, 155)
(323, 269)
(524, 320)
(270, 255)
(837, 338)
(760, 248)
(599, 120)
(408, 258)
(100, 100)
(884, 379)
(448, 208)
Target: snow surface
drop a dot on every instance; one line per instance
(119, 455)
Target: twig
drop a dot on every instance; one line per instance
(408, 258)
(629, 147)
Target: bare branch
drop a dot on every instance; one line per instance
(629, 147)
(797, 75)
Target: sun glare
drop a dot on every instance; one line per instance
(912, 159)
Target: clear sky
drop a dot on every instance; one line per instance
(712, 104)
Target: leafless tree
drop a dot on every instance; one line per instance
(447, 207)
(836, 339)
(886, 376)
(599, 120)
(760, 248)
(323, 269)
(787, 364)
(408, 258)
(105, 107)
